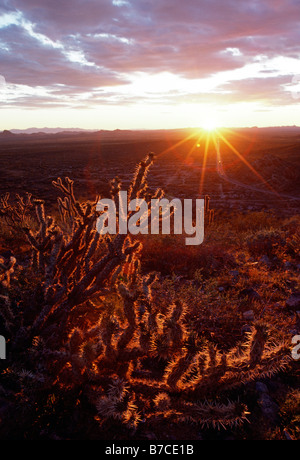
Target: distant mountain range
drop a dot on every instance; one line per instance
(50, 130)
(117, 134)
(117, 131)
(72, 133)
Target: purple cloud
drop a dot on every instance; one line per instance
(74, 46)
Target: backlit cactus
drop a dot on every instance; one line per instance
(143, 364)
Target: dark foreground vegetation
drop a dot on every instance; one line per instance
(142, 337)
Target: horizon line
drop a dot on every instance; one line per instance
(145, 129)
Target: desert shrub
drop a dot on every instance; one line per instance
(293, 243)
(14, 215)
(267, 242)
(91, 346)
(170, 255)
(253, 221)
(290, 413)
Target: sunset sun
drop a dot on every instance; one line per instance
(209, 125)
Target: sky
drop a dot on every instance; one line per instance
(149, 64)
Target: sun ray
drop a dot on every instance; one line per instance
(237, 134)
(177, 144)
(241, 157)
(174, 146)
(195, 145)
(207, 142)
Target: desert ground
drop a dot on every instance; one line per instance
(30, 162)
(241, 284)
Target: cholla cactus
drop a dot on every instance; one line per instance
(142, 364)
(119, 405)
(70, 262)
(15, 215)
(6, 270)
(258, 343)
(209, 213)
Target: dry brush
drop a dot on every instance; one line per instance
(139, 366)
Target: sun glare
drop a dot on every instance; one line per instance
(209, 125)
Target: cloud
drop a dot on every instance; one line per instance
(271, 91)
(27, 60)
(74, 48)
(58, 19)
(2, 82)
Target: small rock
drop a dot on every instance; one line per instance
(265, 260)
(245, 329)
(249, 315)
(293, 332)
(250, 293)
(288, 436)
(150, 435)
(293, 302)
(268, 407)
(261, 387)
